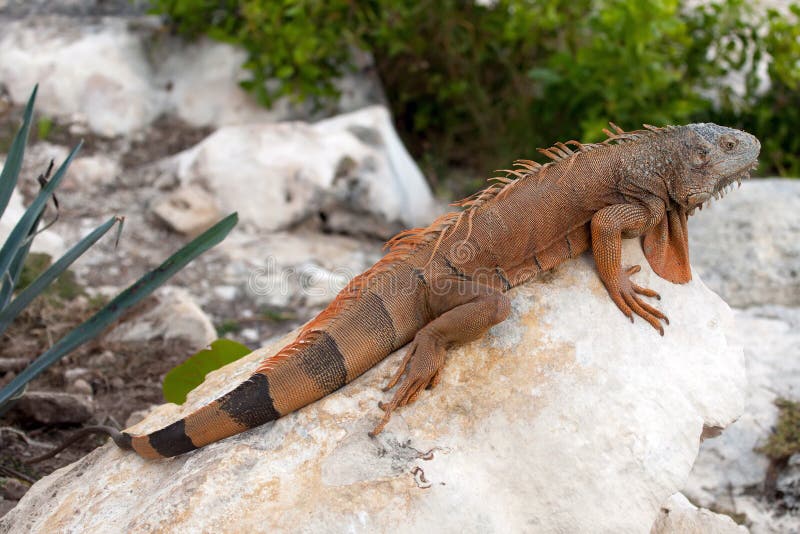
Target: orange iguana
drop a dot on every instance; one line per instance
(445, 284)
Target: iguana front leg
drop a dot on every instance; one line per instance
(609, 225)
(473, 309)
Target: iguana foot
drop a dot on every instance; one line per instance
(421, 366)
(626, 296)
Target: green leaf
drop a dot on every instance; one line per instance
(191, 373)
(48, 276)
(119, 305)
(10, 174)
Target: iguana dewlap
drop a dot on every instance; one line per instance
(445, 284)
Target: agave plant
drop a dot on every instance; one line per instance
(16, 247)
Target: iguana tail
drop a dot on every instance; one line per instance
(361, 326)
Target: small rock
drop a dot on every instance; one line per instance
(13, 489)
(80, 386)
(225, 292)
(50, 407)
(189, 210)
(176, 316)
(70, 375)
(117, 383)
(104, 359)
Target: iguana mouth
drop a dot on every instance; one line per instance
(723, 186)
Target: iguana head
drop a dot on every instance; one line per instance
(710, 158)
(714, 158)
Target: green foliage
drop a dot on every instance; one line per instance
(44, 126)
(785, 438)
(18, 287)
(479, 85)
(191, 373)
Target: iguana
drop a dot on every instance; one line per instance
(445, 284)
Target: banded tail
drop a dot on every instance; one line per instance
(353, 334)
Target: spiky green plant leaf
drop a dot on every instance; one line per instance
(21, 233)
(121, 303)
(185, 377)
(10, 174)
(54, 271)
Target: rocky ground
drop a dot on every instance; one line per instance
(172, 143)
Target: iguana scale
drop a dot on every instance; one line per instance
(445, 284)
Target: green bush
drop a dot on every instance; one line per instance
(473, 85)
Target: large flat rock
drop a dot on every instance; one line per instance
(565, 418)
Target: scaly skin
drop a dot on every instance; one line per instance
(446, 284)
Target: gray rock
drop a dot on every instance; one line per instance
(747, 247)
(50, 407)
(80, 386)
(565, 418)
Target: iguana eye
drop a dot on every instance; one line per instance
(728, 143)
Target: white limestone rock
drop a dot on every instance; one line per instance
(679, 516)
(97, 71)
(729, 472)
(175, 316)
(747, 246)
(565, 418)
(278, 174)
(202, 76)
(117, 74)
